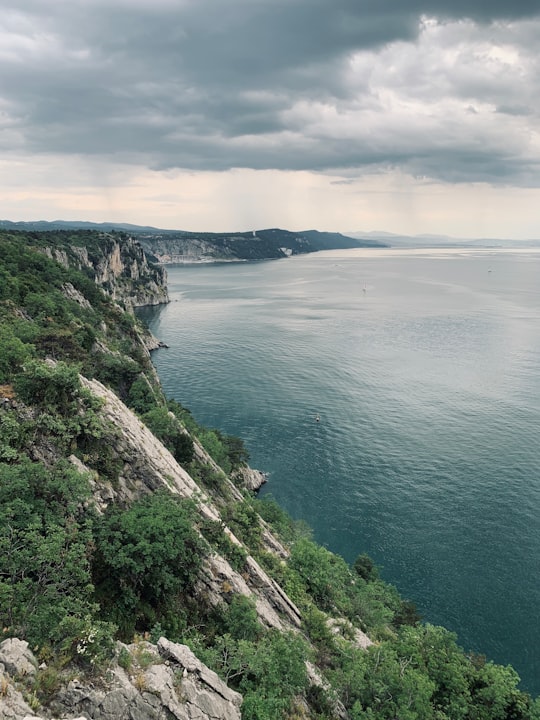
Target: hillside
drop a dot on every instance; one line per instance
(140, 579)
(174, 246)
(257, 245)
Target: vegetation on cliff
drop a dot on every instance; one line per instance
(86, 560)
(180, 245)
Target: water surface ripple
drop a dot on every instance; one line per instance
(424, 368)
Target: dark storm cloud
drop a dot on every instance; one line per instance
(287, 84)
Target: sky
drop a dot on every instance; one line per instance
(406, 116)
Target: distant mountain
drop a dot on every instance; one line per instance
(335, 241)
(45, 225)
(434, 241)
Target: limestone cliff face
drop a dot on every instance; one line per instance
(149, 466)
(188, 250)
(175, 685)
(120, 267)
(272, 243)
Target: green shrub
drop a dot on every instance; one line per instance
(146, 557)
(44, 548)
(365, 568)
(118, 372)
(275, 673)
(13, 353)
(244, 521)
(215, 535)
(141, 396)
(212, 443)
(124, 658)
(47, 682)
(241, 620)
(280, 521)
(86, 641)
(167, 429)
(54, 387)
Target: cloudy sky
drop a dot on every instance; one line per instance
(410, 116)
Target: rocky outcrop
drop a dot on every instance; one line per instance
(13, 706)
(163, 682)
(16, 658)
(151, 342)
(124, 272)
(149, 466)
(344, 628)
(120, 267)
(250, 478)
(73, 294)
(186, 250)
(198, 679)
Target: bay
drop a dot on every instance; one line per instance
(423, 366)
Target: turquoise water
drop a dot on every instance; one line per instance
(424, 368)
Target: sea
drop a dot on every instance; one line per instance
(423, 369)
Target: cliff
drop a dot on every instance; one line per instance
(117, 263)
(147, 466)
(139, 578)
(123, 462)
(180, 246)
(266, 244)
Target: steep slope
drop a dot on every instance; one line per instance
(147, 466)
(147, 580)
(117, 263)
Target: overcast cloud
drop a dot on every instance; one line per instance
(127, 107)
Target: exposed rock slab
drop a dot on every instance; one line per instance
(250, 478)
(148, 466)
(175, 686)
(16, 658)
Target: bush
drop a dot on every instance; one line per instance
(365, 568)
(215, 535)
(141, 396)
(54, 387)
(146, 557)
(44, 548)
(326, 576)
(86, 641)
(280, 521)
(118, 372)
(13, 354)
(212, 443)
(241, 620)
(167, 429)
(244, 521)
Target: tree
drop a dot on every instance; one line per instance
(53, 386)
(241, 619)
(44, 548)
(167, 428)
(268, 673)
(326, 576)
(146, 557)
(13, 353)
(141, 396)
(365, 567)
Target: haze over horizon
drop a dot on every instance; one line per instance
(422, 119)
